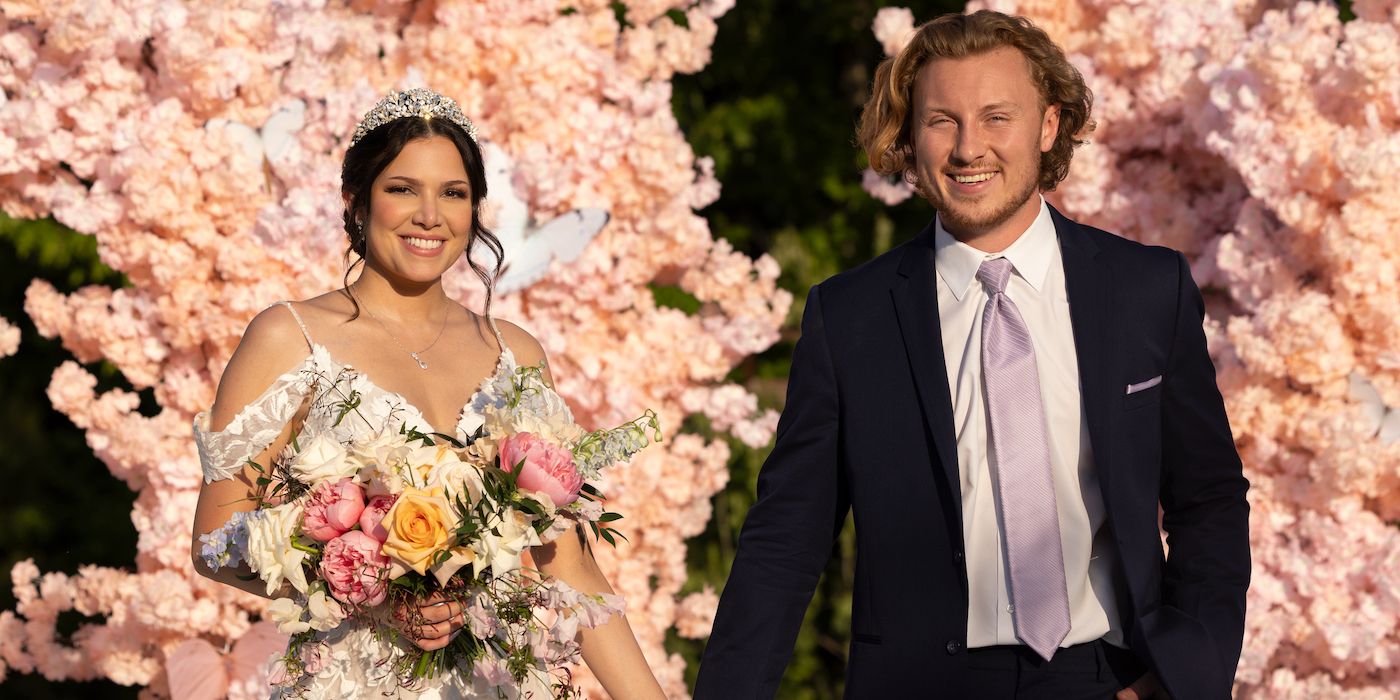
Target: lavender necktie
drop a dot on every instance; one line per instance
(1039, 597)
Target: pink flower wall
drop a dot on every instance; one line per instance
(1263, 140)
(113, 120)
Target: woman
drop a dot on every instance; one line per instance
(412, 182)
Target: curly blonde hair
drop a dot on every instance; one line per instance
(885, 131)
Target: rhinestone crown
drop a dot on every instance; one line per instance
(418, 102)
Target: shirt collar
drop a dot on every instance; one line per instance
(1030, 254)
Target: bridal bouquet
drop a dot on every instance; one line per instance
(371, 529)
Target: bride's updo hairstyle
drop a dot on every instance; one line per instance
(369, 156)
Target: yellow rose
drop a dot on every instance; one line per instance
(419, 524)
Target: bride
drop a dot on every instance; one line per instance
(412, 182)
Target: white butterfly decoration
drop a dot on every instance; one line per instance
(530, 249)
(267, 144)
(1383, 420)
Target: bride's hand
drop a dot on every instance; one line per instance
(441, 620)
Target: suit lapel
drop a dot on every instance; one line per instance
(1089, 287)
(915, 295)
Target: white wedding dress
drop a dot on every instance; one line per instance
(359, 665)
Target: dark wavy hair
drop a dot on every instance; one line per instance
(885, 131)
(365, 160)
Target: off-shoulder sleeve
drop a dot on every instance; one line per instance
(223, 453)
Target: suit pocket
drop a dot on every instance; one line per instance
(867, 639)
(1150, 396)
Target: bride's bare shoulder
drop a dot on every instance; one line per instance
(526, 349)
(272, 345)
(274, 334)
(328, 310)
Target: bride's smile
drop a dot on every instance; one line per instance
(420, 212)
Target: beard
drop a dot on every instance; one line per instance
(983, 214)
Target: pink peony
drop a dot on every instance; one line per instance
(354, 569)
(544, 467)
(373, 514)
(332, 508)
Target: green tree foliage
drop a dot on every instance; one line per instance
(776, 109)
(60, 506)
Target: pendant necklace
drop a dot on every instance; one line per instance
(422, 364)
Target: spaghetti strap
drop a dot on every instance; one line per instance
(300, 324)
(500, 339)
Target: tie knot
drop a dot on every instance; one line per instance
(994, 273)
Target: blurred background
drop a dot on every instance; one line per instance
(775, 108)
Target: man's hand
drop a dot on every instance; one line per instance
(1145, 688)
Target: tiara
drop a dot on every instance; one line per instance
(418, 102)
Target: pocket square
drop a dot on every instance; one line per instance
(1135, 388)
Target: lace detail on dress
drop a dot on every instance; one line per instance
(358, 663)
(223, 453)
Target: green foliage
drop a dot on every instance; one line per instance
(64, 257)
(776, 109)
(1345, 11)
(673, 297)
(60, 505)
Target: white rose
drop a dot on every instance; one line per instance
(381, 450)
(322, 458)
(270, 551)
(458, 478)
(420, 461)
(382, 461)
(287, 614)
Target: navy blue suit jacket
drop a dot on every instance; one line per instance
(868, 427)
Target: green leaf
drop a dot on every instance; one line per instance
(620, 12)
(351, 403)
(673, 297)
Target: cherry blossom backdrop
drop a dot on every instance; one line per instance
(115, 120)
(1263, 140)
(1261, 137)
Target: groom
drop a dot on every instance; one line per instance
(1005, 402)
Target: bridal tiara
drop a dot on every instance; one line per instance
(418, 102)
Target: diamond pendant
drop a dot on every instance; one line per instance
(421, 363)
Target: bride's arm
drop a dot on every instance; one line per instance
(610, 650)
(271, 345)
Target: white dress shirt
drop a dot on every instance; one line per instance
(1037, 287)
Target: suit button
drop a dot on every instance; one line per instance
(954, 647)
(958, 556)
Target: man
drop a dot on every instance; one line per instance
(1004, 402)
